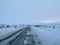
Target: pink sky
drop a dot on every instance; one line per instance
(50, 21)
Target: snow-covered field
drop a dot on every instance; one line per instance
(8, 31)
(5, 32)
(47, 36)
(35, 36)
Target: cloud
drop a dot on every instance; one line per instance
(51, 21)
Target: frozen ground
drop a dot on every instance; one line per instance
(8, 31)
(35, 36)
(5, 32)
(43, 36)
(32, 39)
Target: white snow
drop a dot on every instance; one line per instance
(4, 32)
(8, 31)
(47, 36)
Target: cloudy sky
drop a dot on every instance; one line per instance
(29, 11)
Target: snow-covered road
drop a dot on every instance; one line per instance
(4, 32)
(12, 36)
(35, 36)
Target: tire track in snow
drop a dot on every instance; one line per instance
(31, 39)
